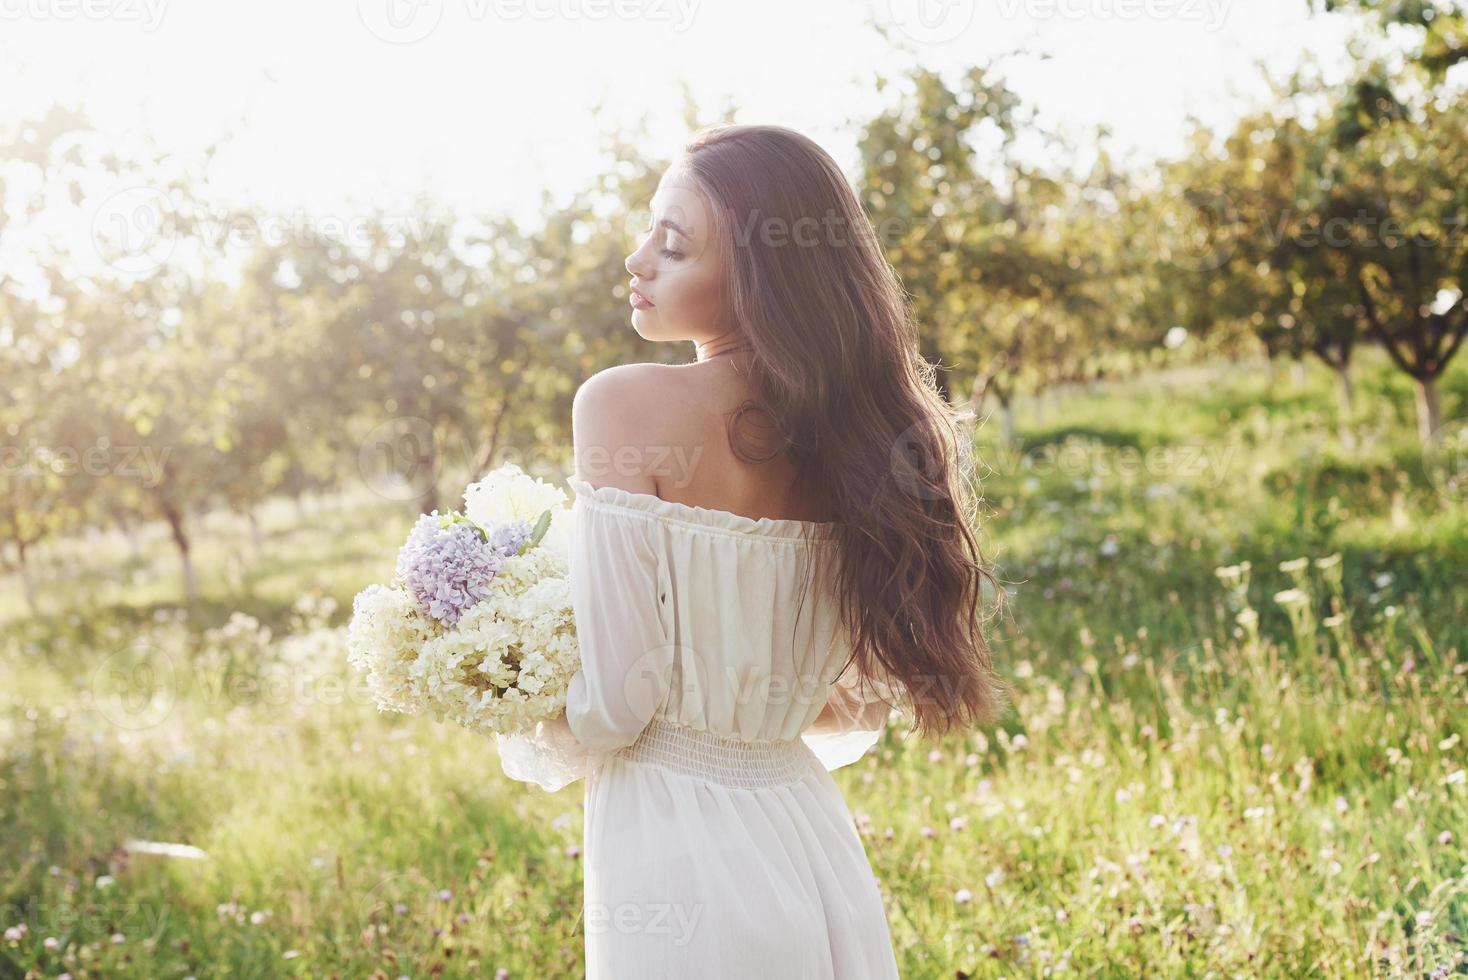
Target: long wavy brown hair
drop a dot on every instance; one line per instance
(836, 369)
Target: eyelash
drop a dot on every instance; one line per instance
(667, 253)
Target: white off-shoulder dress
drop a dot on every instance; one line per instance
(717, 844)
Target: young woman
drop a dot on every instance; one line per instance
(771, 550)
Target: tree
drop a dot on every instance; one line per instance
(1002, 262)
(1438, 28)
(1285, 263)
(920, 185)
(1404, 192)
(1333, 241)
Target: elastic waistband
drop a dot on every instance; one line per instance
(724, 759)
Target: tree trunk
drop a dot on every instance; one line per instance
(976, 394)
(257, 537)
(492, 444)
(24, 568)
(1346, 402)
(175, 520)
(428, 499)
(1008, 430)
(1297, 372)
(1429, 412)
(1345, 388)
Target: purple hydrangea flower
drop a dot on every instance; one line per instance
(446, 569)
(508, 538)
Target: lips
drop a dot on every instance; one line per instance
(640, 301)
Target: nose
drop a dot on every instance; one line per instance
(636, 264)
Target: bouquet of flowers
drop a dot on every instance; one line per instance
(476, 626)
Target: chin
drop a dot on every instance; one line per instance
(640, 324)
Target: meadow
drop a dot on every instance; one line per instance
(1237, 749)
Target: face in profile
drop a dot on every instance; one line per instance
(678, 269)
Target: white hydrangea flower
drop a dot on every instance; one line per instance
(508, 493)
(508, 660)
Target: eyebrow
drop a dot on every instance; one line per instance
(668, 223)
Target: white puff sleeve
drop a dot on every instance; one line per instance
(619, 591)
(856, 714)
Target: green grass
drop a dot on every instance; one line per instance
(1199, 778)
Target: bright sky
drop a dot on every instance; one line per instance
(485, 103)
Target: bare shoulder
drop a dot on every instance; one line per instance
(622, 420)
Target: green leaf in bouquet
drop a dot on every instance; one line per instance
(541, 526)
(455, 517)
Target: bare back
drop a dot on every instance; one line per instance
(699, 401)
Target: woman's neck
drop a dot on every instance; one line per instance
(722, 348)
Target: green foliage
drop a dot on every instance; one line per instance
(1010, 267)
(1238, 744)
(1441, 27)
